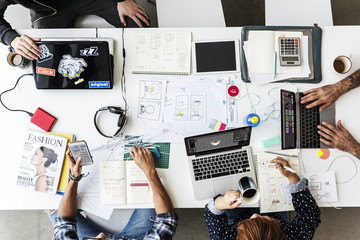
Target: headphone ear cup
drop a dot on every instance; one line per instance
(121, 120)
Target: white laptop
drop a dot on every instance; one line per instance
(218, 160)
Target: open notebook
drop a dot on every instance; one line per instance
(159, 52)
(274, 188)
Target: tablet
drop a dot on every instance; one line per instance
(216, 56)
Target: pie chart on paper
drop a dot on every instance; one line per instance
(324, 153)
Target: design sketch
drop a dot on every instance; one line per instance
(149, 110)
(196, 115)
(197, 101)
(316, 186)
(181, 114)
(182, 101)
(151, 90)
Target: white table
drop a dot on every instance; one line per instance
(75, 110)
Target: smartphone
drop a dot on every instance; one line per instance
(80, 149)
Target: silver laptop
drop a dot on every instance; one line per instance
(218, 160)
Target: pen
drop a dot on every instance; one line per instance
(275, 56)
(282, 154)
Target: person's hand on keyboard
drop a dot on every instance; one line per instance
(339, 137)
(228, 201)
(144, 160)
(279, 163)
(324, 96)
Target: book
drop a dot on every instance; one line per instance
(64, 176)
(160, 52)
(41, 162)
(123, 182)
(274, 188)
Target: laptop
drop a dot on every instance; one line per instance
(73, 64)
(299, 124)
(218, 160)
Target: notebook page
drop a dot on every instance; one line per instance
(261, 51)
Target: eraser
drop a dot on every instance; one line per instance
(271, 141)
(43, 119)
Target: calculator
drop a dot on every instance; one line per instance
(289, 51)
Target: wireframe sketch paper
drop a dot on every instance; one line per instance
(322, 186)
(151, 99)
(273, 186)
(160, 52)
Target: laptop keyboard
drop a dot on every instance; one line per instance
(309, 120)
(221, 165)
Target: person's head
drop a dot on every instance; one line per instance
(259, 228)
(43, 156)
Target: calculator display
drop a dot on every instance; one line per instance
(290, 58)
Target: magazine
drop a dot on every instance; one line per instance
(41, 162)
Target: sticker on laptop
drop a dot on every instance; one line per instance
(99, 84)
(91, 51)
(45, 71)
(71, 67)
(44, 54)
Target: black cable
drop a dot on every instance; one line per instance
(123, 79)
(16, 110)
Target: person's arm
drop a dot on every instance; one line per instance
(215, 218)
(68, 204)
(307, 217)
(65, 222)
(134, 11)
(165, 222)
(23, 45)
(339, 138)
(327, 95)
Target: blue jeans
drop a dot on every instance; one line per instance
(136, 228)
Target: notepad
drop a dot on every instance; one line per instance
(274, 188)
(262, 45)
(160, 52)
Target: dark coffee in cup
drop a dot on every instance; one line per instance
(248, 190)
(249, 193)
(342, 64)
(339, 66)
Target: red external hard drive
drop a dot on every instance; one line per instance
(43, 119)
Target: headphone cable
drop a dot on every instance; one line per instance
(16, 110)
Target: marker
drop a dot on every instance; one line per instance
(289, 169)
(282, 154)
(275, 56)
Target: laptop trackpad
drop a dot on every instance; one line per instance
(223, 184)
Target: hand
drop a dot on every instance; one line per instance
(144, 160)
(279, 163)
(75, 167)
(26, 47)
(228, 201)
(134, 11)
(339, 138)
(325, 95)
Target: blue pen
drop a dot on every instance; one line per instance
(275, 57)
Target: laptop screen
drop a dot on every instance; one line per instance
(73, 65)
(218, 141)
(288, 119)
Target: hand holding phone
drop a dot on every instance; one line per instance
(80, 149)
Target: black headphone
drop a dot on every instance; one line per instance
(121, 121)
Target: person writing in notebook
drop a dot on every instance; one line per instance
(224, 221)
(160, 223)
(337, 137)
(62, 14)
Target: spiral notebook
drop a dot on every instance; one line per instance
(160, 52)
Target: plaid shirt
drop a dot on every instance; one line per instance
(164, 226)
